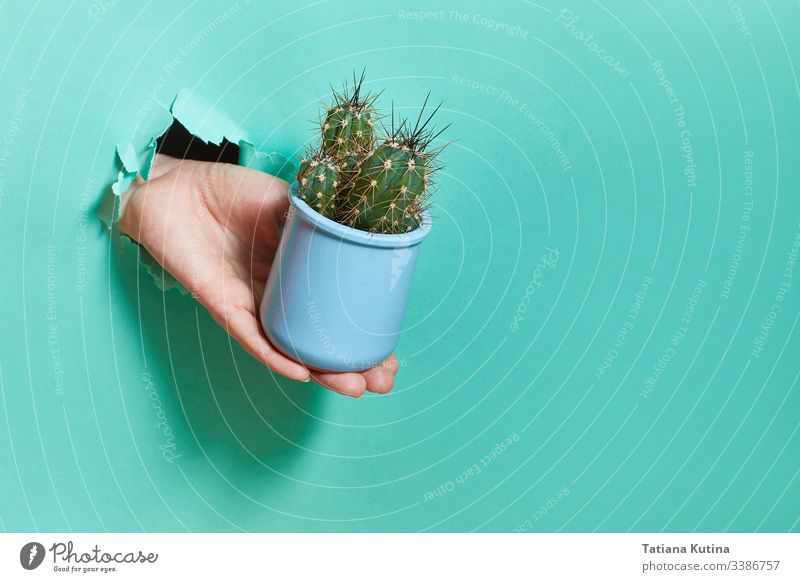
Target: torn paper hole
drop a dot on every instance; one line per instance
(135, 158)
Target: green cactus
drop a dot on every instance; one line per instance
(348, 128)
(318, 180)
(383, 189)
(389, 191)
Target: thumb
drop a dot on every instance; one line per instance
(255, 190)
(254, 198)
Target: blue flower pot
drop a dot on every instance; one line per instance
(336, 296)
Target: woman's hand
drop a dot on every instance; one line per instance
(215, 228)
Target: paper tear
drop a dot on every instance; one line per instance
(135, 158)
(201, 119)
(126, 154)
(161, 277)
(108, 210)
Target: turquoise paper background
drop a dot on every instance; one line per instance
(657, 159)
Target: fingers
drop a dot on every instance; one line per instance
(380, 379)
(244, 327)
(349, 383)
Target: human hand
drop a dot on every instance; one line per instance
(216, 227)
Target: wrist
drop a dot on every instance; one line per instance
(124, 198)
(126, 219)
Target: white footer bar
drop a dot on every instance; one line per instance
(389, 557)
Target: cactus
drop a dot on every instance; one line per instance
(391, 189)
(388, 192)
(318, 183)
(381, 189)
(347, 131)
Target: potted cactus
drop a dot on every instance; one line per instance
(337, 291)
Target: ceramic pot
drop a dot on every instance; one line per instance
(336, 296)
